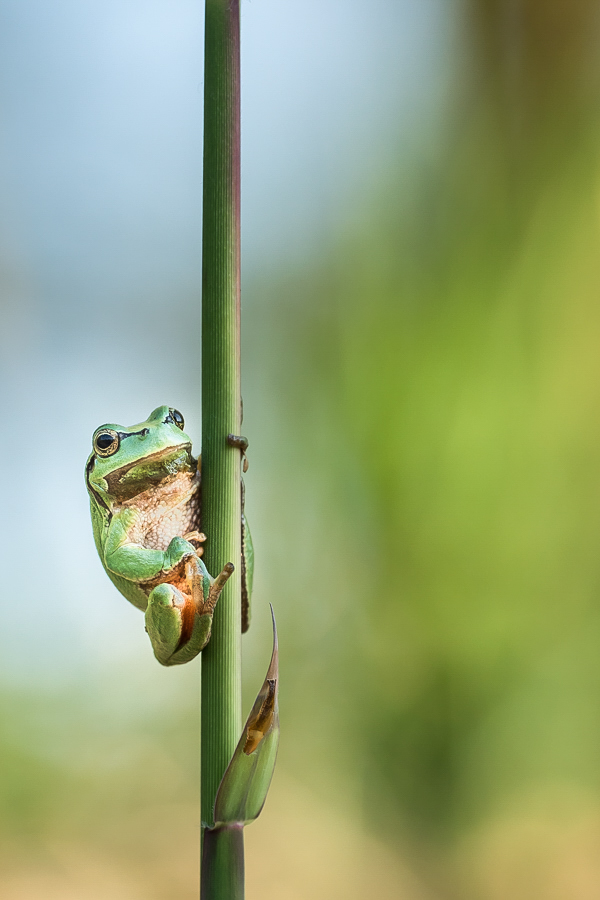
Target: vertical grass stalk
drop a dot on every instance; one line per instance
(223, 868)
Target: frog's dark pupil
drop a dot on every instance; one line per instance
(177, 418)
(103, 441)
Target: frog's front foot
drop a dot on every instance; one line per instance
(196, 539)
(179, 619)
(237, 440)
(241, 443)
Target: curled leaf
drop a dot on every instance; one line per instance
(243, 789)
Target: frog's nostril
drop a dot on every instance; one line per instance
(144, 432)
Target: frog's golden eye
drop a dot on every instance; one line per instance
(106, 442)
(177, 418)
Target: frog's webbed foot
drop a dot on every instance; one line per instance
(196, 539)
(179, 616)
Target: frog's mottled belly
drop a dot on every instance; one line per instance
(170, 509)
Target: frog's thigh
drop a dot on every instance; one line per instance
(166, 622)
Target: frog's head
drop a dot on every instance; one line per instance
(126, 461)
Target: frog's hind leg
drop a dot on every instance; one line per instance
(179, 623)
(170, 622)
(247, 570)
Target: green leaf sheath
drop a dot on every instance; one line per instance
(244, 788)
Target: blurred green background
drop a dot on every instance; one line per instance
(422, 398)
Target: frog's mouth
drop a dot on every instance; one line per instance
(140, 475)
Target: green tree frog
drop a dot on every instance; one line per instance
(144, 487)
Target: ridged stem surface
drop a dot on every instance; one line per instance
(223, 863)
(221, 406)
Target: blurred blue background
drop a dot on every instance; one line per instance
(421, 224)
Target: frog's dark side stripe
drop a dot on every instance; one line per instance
(126, 434)
(92, 462)
(91, 489)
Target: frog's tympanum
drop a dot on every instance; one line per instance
(144, 487)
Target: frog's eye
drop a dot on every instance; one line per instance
(177, 418)
(106, 442)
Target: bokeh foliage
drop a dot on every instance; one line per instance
(441, 378)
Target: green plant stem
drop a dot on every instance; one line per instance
(221, 415)
(223, 863)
